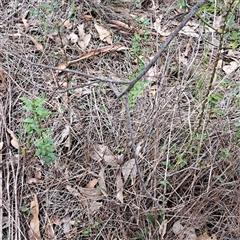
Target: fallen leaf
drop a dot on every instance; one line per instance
(119, 183)
(102, 152)
(104, 34)
(25, 23)
(34, 180)
(184, 233)
(64, 134)
(217, 22)
(94, 206)
(84, 38)
(38, 173)
(66, 224)
(128, 168)
(234, 65)
(73, 191)
(73, 37)
(86, 16)
(189, 31)
(34, 232)
(68, 142)
(49, 231)
(67, 24)
(14, 140)
(38, 45)
(85, 41)
(3, 85)
(206, 237)
(1, 145)
(161, 29)
(122, 27)
(92, 183)
(91, 193)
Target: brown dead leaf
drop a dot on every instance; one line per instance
(38, 173)
(206, 237)
(84, 38)
(119, 183)
(14, 140)
(49, 231)
(92, 183)
(122, 27)
(128, 168)
(25, 23)
(38, 45)
(104, 34)
(91, 193)
(34, 232)
(67, 24)
(94, 206)
(161, 29)
(86, 16)
(102, 152)
(34, 180)
(73, 191)
(190, 30)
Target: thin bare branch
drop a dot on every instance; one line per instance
(62, 70)
(164, 46)
(135, 154)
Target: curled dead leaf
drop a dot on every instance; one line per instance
(34, 232)
(104, 34)
(14, 140)
(25, 23)
(102, 152)
(92, 183)
(37, 44)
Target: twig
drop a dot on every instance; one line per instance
(135, 154)
(164, 46)
(62, 70)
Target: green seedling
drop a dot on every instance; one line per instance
(26, 210)
(34, 129)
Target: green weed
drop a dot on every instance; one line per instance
(34, 129)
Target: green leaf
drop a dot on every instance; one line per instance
(231, 20)
(23, 209)
(151, 218)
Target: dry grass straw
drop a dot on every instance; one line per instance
(202, 193)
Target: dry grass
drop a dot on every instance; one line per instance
(201, 190)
